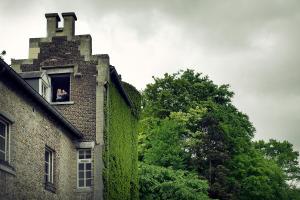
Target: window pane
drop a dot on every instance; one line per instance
(88, 166)
(81, 166)
(81, 174)
(46, 168)
(81, 183)
(88, 174)
(2, 129)
(89, 182)
(2, 156)
(88, 154)
(47, 178)
(47, 156)
(50, 169)
(2, 144)
(81, 154)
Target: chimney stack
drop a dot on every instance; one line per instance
(52, 23)
(69, 24)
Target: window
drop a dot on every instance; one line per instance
(84, 168)
(4, 141)
(60, 85)
(48, 166)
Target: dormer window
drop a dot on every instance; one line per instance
(39, 81)
(60, 88)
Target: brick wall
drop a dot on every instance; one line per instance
(31, 131)
(61, 52)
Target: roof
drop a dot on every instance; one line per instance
(116, 78)
(33, 74)
(9, 72)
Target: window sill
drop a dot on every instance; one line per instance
(62, 103)
(50, 187)
(6, 167)
(84, 189)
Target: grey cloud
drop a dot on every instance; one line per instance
(252, 45)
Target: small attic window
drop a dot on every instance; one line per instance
(60, 88)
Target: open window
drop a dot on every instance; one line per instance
(60, 88)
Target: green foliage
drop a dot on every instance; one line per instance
(165, 146)
(164, 183)
(284, 155)
(134, 96)
(120, 156)
(256, 177)
(180, 91)
(294, 194)
(189, 123)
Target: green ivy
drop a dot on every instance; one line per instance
(120, 155)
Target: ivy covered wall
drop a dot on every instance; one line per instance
(120, 155)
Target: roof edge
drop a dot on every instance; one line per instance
(116, 77)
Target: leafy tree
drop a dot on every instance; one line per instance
(294, 193)
(284, 155)
(164, 183)
(192, 125)
(166, 146)
(180, 91)
(254, 177)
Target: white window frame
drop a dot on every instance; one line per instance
(84, 161)
(50, 165)
(44, 91)
(6, 140)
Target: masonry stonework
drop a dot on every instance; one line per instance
(30, 133)
(77, 123)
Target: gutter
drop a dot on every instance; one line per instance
(6, 69)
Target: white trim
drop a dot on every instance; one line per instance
(84, 162)
(50, 165)
(60, 71)
(62, 103)
(6, 140)
(40, 87)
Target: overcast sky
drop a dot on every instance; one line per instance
(252, 45)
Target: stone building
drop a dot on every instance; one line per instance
(54, 116)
